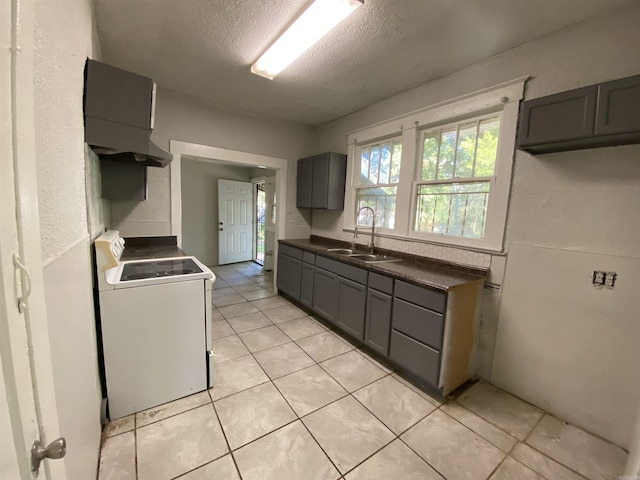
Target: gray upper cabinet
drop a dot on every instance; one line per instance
(619, 107)
(117, 95)
(558, 118)
(304, 182)
(596, 116)
(320, 181)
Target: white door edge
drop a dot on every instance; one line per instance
(26, 356)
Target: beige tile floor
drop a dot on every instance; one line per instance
(294, 400)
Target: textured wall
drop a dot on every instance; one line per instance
(71, 211)
(561, 61)
(60, 56)
(150, 217)
(179, 117)
(584, 200)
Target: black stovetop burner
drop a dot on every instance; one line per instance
(163, 268)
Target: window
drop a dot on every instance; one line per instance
(457, 165)
(377, 180)
(441, 174)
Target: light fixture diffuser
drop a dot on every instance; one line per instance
(314, 23)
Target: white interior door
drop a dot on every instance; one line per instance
(235, 221)
(28, 409)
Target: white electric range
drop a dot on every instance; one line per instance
(155, 316)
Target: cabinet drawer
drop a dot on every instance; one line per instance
(415, 357)
(347, 271)
(309, 257)
(381, 283)
(291, 251)
(417, 322)
(425, 297)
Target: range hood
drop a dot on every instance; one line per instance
(119, 109)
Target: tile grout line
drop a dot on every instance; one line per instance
(299, 418)
(233, 458)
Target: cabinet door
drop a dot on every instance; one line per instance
(306, 286)
(619, 107)
(558, 118)
(325, 293)
(378, 323)
(289, 275)
(304, 183)
(320, 181)
(352, 299)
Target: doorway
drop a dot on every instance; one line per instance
(272, 169)
(261, 221)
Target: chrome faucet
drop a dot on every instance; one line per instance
(373, 227)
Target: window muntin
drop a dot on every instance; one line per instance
(377, 180)
(454, 178)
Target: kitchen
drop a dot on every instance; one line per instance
(572, 201)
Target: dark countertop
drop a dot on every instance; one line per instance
(142, 248)
(418, 270)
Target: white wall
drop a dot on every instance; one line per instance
(552, 319)
(150, 217)
(64, 37)
(585, 200)
(200, 205)
(183, 118)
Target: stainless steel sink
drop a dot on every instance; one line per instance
(368, 258)
(365, 257)
(340, 251)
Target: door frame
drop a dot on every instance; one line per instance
(256, 181)
(28, 404)
(178, 148)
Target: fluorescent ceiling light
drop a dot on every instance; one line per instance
(313, 24)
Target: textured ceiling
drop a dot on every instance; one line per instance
(204, 48)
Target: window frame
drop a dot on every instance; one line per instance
(356, 175)
(502, 100)
(453, 239)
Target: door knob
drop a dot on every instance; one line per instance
(56, 449)
(221, 229)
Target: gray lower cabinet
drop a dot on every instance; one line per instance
(419, 359)
(352, 299)
(417, 328)
(289, 275)
(424, 331)
(325, 293)
(306, 285)
(378, 321)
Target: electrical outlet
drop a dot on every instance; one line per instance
(610, 279)
(602, 279)
(598, 277)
